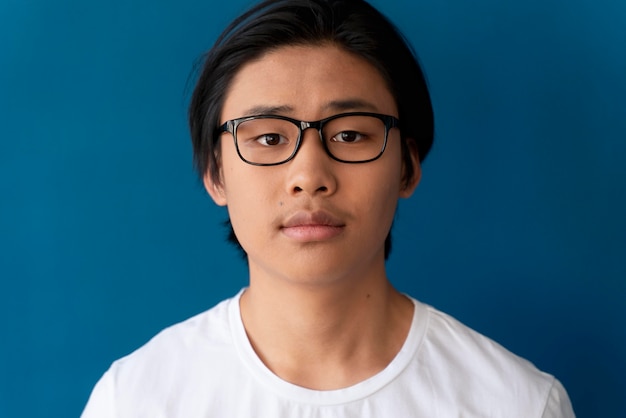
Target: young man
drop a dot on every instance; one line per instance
(309, 122)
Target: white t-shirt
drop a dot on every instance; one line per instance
(206, 367)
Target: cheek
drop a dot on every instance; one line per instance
(385, 188)
(241, 181)
(251, 202)
(384, 203)
(378, 185)
(245, 215)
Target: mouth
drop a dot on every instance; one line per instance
(312, 226)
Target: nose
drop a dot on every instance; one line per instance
(311, 171)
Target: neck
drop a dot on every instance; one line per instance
(328, 336)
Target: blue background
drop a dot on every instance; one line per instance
(106, 236)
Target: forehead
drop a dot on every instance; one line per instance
(307, 82)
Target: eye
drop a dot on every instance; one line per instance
(348, 136)
(271, 139)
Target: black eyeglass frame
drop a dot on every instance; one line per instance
(230, 126)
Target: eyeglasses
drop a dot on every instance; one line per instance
(355, 137)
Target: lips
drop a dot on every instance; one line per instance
(312, 226)
(321, 218)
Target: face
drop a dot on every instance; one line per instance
(313, 219)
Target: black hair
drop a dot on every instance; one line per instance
(353, 25)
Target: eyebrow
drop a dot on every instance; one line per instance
(335, 105)
(268, 110)
(350, 104)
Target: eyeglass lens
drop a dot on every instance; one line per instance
(348, 138)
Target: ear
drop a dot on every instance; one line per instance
(215, 189)
(409, 184)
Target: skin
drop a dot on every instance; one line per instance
(319, 311)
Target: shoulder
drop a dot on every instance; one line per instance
(465, 349)
(203, 334)
(468, 368)
(178, 362)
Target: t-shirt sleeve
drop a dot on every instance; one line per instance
(558, 404)
(101, 403)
